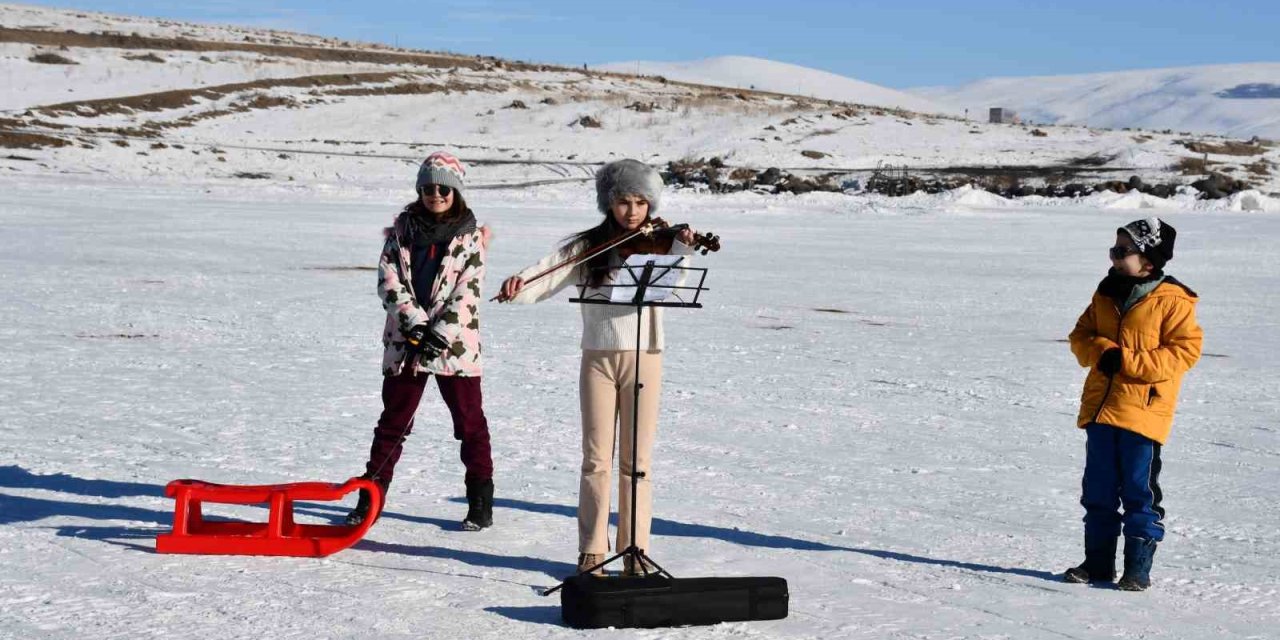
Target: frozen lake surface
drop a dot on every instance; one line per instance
(877, 403)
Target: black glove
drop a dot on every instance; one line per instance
(422, 341)
(1110, 362)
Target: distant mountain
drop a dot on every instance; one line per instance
(1240, 100)
(745, 72)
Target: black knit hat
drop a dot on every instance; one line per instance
(1153, 238)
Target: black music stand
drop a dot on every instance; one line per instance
(646, 279)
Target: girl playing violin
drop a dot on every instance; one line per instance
(628, 192)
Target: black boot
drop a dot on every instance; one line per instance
(479, 505)
(1138, 556)
(363, 505)
(1099, 562)
(359, 513)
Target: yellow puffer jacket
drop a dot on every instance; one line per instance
(1159, 341)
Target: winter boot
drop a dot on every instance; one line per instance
(361, 511)
(589, 560)
(1099, 562)
(479, 505)
(633, 566)
(1138, 555)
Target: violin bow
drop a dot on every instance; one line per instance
(648, 228)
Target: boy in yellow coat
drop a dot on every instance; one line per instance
(1138, 337)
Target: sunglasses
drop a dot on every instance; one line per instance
(1120, 253)
(440, 189)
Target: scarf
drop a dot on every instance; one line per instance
(1121, 288)
(423, 229)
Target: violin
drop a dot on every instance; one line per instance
(654, 236)
(662, 236)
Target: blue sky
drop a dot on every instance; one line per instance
(892, 43)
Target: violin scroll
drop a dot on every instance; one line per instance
(706, 242)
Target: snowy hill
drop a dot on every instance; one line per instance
(1239, 100)
(745, 72)
(21, 16)
(164, 100)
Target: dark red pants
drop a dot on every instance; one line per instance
(400, 397)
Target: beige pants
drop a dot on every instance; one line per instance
(606, 387)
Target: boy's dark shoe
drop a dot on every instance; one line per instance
(1138, 555)
(1099, 562)
(479, 505)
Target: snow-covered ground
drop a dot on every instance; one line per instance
(1240, 100)
(876, 403)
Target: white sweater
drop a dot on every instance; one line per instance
(604, 327)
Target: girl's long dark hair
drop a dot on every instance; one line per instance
(607, 230)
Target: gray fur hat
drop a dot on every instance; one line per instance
(623, 177)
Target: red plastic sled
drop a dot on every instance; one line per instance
(279, 536)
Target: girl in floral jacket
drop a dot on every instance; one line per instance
(429, 279)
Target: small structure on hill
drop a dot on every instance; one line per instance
(1003, 115)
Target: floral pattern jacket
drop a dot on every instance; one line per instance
(451, 309)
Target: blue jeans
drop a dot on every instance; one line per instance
(1121, 468)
